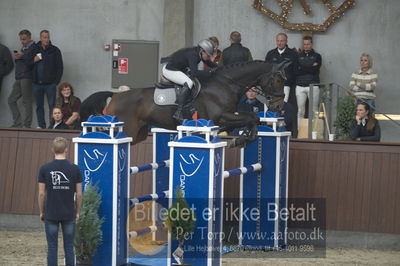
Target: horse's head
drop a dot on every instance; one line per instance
(272, 84)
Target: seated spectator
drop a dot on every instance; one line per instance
(365, 127)
(57, 119)
(217, 53)
(249, 103)
(363, 82)
(69, 104)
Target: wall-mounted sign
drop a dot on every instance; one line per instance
(122, 65)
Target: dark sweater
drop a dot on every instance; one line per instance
(236, 53)
(62, 125)
(306, 72)
(360, 131)
(49, 70)
(274, 57)
(6, 61)
(246, 105)
(24, 65)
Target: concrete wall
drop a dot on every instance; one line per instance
(79, 29)
(371, 26)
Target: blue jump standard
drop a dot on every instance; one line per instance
(263, 175)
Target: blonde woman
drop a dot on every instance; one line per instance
(363, 82)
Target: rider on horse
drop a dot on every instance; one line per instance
(184, 60)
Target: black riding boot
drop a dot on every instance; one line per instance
(182, 94)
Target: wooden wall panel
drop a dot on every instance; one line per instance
(396, 210)
(8, 146)
(359, 181)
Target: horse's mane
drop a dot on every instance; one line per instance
(230, 67)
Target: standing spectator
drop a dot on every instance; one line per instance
(307, 73)
(278, 55)
(217, 52)
(6, 62)
(59, 182)
(365, 127)
(47, 73)
(363, 82)
(70, 105)
(22, 87)
(56, 121)
(236, 52)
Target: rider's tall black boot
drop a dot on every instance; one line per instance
(181, 96)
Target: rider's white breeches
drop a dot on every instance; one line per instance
(302, 93)
(177, 77)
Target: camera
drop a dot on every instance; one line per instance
(15, 51)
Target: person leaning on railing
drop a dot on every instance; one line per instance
(365, 127)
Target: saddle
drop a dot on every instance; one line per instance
(165, 92)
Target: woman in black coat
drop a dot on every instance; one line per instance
(365, 127)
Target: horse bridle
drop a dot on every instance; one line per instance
(258, 90)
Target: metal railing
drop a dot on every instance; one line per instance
(329, 95)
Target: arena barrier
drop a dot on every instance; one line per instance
(264, 178)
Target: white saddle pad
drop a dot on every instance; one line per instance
(165, 96)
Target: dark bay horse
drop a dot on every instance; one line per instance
(217, 101)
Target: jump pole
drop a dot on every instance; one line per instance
(103, 152)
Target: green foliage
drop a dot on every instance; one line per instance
(180, 219)
(88, 228)
(345, 114)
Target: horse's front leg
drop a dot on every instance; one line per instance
(248, 121)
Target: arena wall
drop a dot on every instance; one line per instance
(358, 181)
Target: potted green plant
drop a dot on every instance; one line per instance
(180, 221)
(345, 114)
(88, 234)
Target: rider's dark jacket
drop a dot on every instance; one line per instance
(188, 59)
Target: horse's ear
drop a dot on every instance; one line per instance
(281, 66)
(282, 74)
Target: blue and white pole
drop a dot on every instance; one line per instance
(265, 190)
(196, 168)
(103, 152)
